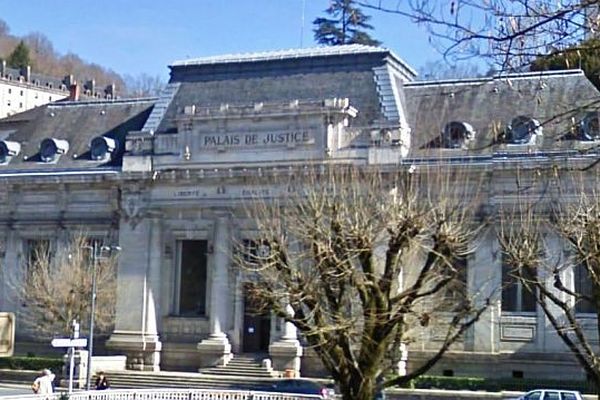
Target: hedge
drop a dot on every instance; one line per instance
(32, 363)
(496, 385)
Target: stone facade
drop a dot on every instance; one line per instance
(173, 192)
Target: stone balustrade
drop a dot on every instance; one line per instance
(166, 394)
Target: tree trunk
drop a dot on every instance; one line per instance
(359, 389)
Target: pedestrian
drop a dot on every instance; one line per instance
(102, 381)
(43, 383)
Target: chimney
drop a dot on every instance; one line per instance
(110, 91)
(90, 86)
(3, 69)
(69, 81)
(74, 92)
(26, 73)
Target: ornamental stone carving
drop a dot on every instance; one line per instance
(133, 207)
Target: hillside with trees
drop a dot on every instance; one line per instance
(43, 58)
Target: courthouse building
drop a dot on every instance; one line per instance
(167, 178)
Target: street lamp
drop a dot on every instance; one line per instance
(96, 250)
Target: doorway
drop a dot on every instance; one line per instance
(257, 323)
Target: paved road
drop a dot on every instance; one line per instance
(8, 389)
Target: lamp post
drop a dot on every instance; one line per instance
(96, 250)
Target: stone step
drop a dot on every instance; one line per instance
(237, 370)
(225, 372)
(243, 365)
(244, 362)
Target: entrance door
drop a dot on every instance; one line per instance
(257, 324)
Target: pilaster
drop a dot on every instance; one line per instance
(136, 329)
(482, 285)
(216, 349)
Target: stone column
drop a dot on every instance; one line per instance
(138, 286)
(216, 349)
(286, 351)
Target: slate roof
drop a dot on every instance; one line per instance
(556, 99)
(303, 74)
(44, 82)
(290, 54)
(78, 123)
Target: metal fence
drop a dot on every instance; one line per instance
(164, 394)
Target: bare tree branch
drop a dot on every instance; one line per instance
(362, 256)
(55, 288)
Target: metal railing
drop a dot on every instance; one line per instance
(164, 394)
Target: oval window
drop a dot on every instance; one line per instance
(456, 134)
(522, 128)
(101, 147)
(590, 127)
(8, 149)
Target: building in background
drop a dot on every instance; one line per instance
(22, 90)
(167, 178)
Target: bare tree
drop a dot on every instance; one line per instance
(438, 70)
(508, 33)
(356, 259)
(55, 289)
(143, 85)
(552, 246)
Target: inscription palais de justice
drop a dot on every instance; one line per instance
(257, 139)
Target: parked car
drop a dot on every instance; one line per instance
(303, 386)
(551, 394)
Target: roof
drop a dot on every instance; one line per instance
(370, 77)
(306, 53)
(37, 81)
(555, 99)
(76, 122)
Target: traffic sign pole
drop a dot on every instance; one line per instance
(71, 343)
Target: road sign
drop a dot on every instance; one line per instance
(68, 342)
(7, 334)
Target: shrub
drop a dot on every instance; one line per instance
(32, 363)
(496, 385)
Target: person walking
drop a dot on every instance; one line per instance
(43, 383)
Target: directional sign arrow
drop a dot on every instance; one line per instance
(68, 342)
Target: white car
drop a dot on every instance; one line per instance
(551, 394)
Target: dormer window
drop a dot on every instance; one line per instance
(457, 134)
(51, 149)
(8, 150)
(102, 147)
(590, 127)
(523, 130)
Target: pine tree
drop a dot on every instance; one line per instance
(347, 24)
(584, 55)
(19, 58)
